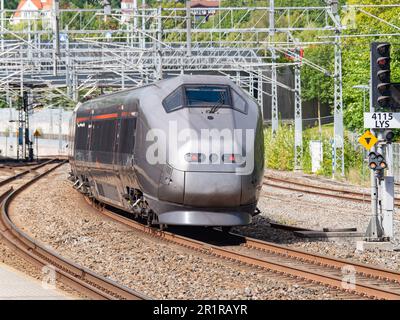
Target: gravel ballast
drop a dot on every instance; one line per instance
(317, 212)
(54, 213)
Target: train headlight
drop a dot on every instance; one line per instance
(213, 158)
(195, 157)
(233, 158)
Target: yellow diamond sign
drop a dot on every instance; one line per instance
(37, 133)
(367, 140)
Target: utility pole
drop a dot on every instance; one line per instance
(274, 86)
(143, 24)
(298, 117)
(2, 17)
(56, 35)
(338, 92)
(159, 71)
(188, 29)
(135, 17)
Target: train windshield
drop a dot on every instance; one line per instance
(207, 96)
(204, 96)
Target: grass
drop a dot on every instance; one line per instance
(279, 153)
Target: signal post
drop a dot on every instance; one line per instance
(381, 119)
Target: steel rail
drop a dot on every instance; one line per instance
(19, 175)
(340, 193)
(83, 279)
(362, 269)
(277, 267)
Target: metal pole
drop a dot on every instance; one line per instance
(338, 96)
(60, 130)
(188, 29)
(387, 198)
(29, 39)
(274, 87)
(68, 65)
(374, 230)
(143, 24)
(75, 84)
(260, 93)
(158, 44)
(2, 17)
(56, 35)
(298, 119)
(135, 21)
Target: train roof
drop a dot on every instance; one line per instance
(166, 85)
(170, 82)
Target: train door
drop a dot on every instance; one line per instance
(82, 134)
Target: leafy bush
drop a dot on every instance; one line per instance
(279, 152)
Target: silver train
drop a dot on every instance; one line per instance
(187, 150)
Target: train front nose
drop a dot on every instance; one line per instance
(212, 189)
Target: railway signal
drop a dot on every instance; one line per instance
(376, 161)
(389, 135)
(382, 118)
(380, 76)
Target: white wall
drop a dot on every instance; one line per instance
(47, 120)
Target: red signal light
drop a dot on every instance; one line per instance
(383, 62)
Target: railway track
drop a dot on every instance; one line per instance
(326, 191)
(78, 277)
(370, 282)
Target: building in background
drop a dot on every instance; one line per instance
(204, 8)
(127, 8)
(32, 9)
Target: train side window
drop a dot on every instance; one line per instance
(239, 103)
(102, 142)
(174, 101)
(127, 135)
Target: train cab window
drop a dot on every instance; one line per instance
(213, 97)
(239, 103)
(174, 101)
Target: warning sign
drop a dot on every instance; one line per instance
(368, 140)
(37, 133)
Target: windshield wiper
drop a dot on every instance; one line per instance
(218, 105)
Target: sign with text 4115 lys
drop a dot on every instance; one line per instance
(382, 120)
